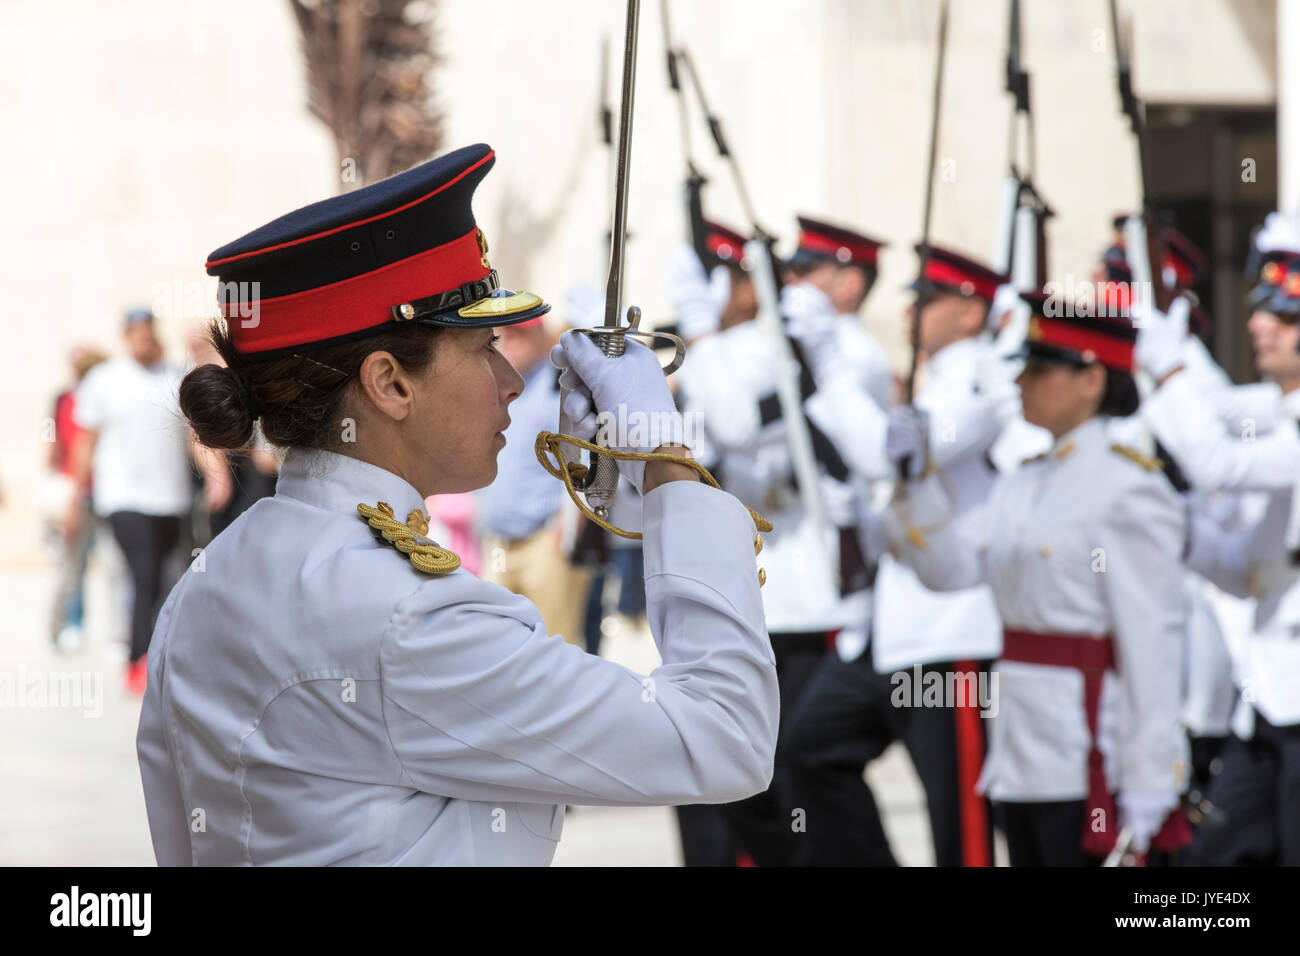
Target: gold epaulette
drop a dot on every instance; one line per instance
(409, 538)
(1148, 462)
(1033, 458)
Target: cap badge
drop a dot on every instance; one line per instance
(482, 248)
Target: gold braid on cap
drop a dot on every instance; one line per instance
(409, 538)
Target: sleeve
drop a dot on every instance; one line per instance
(168, 817)
(1213, 457)
(483, 706)
(1143, 584)
(87, 406)
(847, 414)
(730, 412)
(947, 555)
(1218, 554)
(962, 423)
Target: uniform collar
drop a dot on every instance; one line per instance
(1081, 436)
(1291, 403)
(340, 483)
(955, 353)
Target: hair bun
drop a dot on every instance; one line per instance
(218, 407)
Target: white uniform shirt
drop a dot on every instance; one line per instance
(1086, 542)
(312, 699)
(141, 459)
(913, 624)
(726, 377)
(1254, 561)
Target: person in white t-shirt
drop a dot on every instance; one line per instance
(136, 447)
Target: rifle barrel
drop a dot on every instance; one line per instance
(929, 199)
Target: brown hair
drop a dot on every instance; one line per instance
(299, 397)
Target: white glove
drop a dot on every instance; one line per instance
(840, 501)
(995, 381)
(1144, 814)
(907, 439)
(811, 321)
(694, 299)
(1160, 338)
(1005, 299)
(577, 404)
(634, 408)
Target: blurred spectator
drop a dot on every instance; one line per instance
(226, 483)
(451, 524)
(61, 494)
(135, 447)
(525, 540)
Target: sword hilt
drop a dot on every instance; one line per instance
(600, 483)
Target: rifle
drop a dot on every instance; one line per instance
(1024, 212)
(1143, 242)
(922, 285)
(696, 231)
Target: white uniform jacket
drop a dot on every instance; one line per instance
(313, 699)
(914, 624)
(1082, 541)
(1253, 560)
(729, 374)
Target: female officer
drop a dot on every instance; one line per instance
(1082, 549)
(324, 685)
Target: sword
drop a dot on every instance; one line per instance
(600, 483)
(1120, 856)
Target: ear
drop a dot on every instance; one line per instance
(973, 315)
(852, 284)
(1095, 380)
(386, 385)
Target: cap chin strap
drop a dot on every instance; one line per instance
(465, 294)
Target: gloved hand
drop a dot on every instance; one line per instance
(1144, 814)
(811, 321)
(840, 501)
(907, 440)
(995, 382)
(697, 301)
(634, 409)
(1160, 337)
(578, 405)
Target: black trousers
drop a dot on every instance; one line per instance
(764, 825)
(1256, 799)
(1046, 833)
(847, 719)
(145, 540)
(706, 835)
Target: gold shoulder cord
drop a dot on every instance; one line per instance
(410, 538)
(1147, 462)
(548, 443)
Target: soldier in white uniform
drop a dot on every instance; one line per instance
(326, 686)
(1255, 792)
(731, 381)
(850, 714)
(1082, 551)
